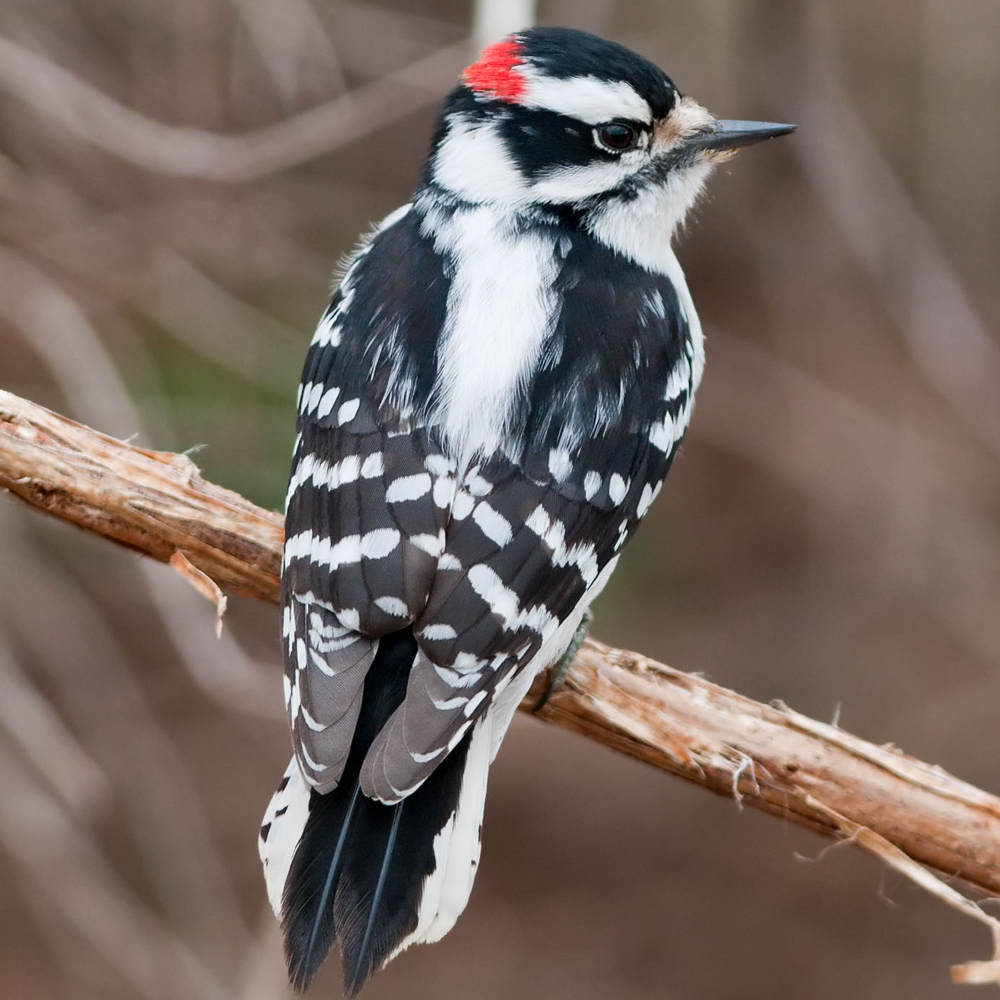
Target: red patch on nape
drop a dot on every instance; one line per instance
(496, 75)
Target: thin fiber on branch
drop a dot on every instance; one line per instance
(909, 813)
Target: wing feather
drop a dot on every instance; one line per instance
(493, 617)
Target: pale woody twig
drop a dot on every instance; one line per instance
(909, 813)
(492, 19)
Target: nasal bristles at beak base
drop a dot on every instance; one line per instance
(687, 118)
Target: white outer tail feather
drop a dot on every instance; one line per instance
(285, 831)
(447, 889)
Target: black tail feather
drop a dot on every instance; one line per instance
(357, 970)
(308, 913)
(323, 908)
(359, 868)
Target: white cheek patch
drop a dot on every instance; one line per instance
(567, 184)
(474, 164)
(585, 98)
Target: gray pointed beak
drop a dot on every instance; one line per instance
(733, 134)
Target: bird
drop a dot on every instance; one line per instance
(488, 407)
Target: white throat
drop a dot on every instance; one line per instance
(642, 228)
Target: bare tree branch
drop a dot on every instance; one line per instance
(153, 502)
(907, 812)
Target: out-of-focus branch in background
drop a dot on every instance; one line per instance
(89, 114)
(945, 334)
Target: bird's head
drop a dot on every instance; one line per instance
(557, 117)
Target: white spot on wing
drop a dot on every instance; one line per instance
(433, 545)
(462, 505)
(322, 551)
(444, 492)
(323, 475)
(392, 606)
(438, 632)
(560, 464)
(438, 465)
(348, 411)
(503, 601)
(476, 485)
(553, 533)
(379, 543)
(645, 500)
(327, 333)
(309, 396)
(350, 617)
(492, 524)
(616, 488)
(679, 380)
(326, 402)
(408, 488)
(664, 435)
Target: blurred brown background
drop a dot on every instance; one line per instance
(830, 535)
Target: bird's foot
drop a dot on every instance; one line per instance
(558, 672)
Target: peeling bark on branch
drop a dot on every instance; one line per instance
(152, 501)
(768, 757)
(779, 761)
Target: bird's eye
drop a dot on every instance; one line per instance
(619, 137)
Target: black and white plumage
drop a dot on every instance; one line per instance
(488, 408)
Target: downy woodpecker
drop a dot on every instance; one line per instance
(489, 406)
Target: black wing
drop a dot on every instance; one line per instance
(369, 495)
